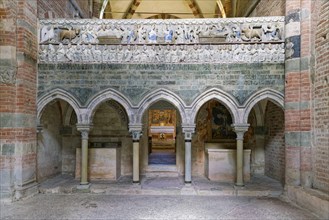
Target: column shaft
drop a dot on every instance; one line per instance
(188, 162)
(239, 163)
(136, 161)
(84, 161)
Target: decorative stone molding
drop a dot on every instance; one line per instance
(163, 41)
(7, 75)
(182, 31)
(230, 53)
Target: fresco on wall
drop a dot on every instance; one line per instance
(214, 123)
(165, 117)
(221, 122)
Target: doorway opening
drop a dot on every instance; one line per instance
(162, 135)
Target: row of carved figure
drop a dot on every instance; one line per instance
(162, 53)
(153, 34)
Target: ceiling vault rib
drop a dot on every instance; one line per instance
(221, 8)
(104, 5)
(234, 3)
(131, 9)
(195, 8)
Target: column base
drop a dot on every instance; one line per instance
(83, 186)
(136, 182)
(238, 185)
(188, 182)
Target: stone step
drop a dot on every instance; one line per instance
(161, 170)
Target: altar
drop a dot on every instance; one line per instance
(221, 164)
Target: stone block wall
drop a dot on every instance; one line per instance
(62, 8)
(136, 80)
(18, 75)
(274, 143)
(269, 8)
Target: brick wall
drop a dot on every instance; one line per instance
(18, 94)
(61, 8)
(321, 97)
(274, 143)
(269, 8)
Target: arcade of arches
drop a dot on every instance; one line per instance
(226, 90)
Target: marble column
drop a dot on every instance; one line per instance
(136, 136)
(239, 130)
(188, 153)
(84, 129)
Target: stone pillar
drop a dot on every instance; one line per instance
(84, 129)
(239, 129)
(18, 92)
(136, 136)
(188, 131)
(298, 93)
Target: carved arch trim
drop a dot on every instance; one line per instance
(264, 94)
(43, 101)
(215, 94)
(157, 95)
(109, 94)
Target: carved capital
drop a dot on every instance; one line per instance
(84, 130)
(188, 130)
(136, 131)
(240, 129)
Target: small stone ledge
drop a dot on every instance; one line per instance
(310, 199)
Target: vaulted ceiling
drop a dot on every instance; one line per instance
(173, 9)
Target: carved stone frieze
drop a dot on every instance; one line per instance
(224, 53)
(183, 31)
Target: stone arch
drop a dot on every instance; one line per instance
(157, 95)
(225, 98)
(58, 94)
(269, 94)
(103, 96)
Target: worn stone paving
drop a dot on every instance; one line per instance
(100, 206)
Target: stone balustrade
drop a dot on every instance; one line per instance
(245, 40)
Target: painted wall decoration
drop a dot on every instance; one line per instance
(221, 122)
(214, 123)
(165, 117)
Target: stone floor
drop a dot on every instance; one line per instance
(162, 185)
(101, 206)
(155, 198)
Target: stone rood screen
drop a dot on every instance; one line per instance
(235, 40)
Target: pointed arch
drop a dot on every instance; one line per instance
(158, 95)
(43, 101)
(264, 94)
(217, 94)
(109, 94)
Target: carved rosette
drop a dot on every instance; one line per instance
(7, 75)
